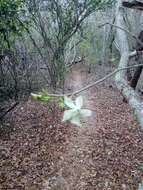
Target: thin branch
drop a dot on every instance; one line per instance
(117, 46)
(125, 30)
(10, 109)
(94, 83)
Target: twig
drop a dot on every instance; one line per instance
(125, 30)
(94, 83)
(10, 109)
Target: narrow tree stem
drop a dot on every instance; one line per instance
(94, 83)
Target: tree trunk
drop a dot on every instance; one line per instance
(120, 78)
(136, 77)
(138, 70)
(129, 75)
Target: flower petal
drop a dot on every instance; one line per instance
(67, 115)
(68, 101)
(79, 102)
(85, 112)
(76, 121)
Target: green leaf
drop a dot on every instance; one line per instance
(61, 100)
(36, 96)
(45, 99)
(62, 105)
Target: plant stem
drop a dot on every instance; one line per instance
(94, 83)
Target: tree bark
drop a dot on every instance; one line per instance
(120, 78)
(135, 79)
(139, 57)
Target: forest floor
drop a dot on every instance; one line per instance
(38, 152)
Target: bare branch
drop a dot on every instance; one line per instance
(10, 109)
(95, 83)
(125, 30)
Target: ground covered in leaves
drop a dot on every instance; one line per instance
(39, 152)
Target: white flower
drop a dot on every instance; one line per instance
(75, 112)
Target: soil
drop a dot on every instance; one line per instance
(42, 153)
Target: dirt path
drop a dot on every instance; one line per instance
(74, 165)
(97, 146)
(42, 153)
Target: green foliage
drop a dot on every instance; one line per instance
(89, 50)
(43, 96)
(83, 48)
(9, 18)
(61, 103)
